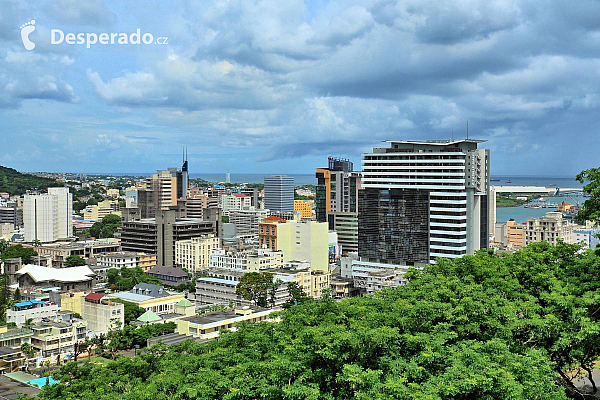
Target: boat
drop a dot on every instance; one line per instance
(553, 184)
(508, 181)
(494, 180)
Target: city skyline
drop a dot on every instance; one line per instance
(266, 87)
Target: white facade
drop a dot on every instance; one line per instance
(48, 217)
(373, 277)
(117, 260)
(246, 220)
(194, 254)
(20, 314)
(255, 261)
(456, 176)
(232, 202)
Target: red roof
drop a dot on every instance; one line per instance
(273, 218)
(240, 195)
(94, 296)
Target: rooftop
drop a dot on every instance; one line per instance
(44, 274)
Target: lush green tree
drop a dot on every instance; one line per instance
(27, 349)
(131, 310)
(297, 295)
(17, 250)
(510, 326)
(591, 207)
(126, 278)
(107, 227)
(74, 261)
(255, 286)
(225, 219)
(3, 245)
(17, 294)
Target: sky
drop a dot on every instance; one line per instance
(255, 86)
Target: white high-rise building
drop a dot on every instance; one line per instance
(423, 200)
(48, 217)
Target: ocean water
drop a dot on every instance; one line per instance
(299, 179)
(520, 214)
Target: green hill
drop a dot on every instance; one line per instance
(16, 183)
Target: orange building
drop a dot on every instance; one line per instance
(305, 207)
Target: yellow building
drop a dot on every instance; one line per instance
(194, 254)
(305, 207)
(164, 185)
(515, 234)
(102, 209)
(298, 240)
(72, 301)
(54, 339)
(146, 261)
(209, 325)
(151, 297)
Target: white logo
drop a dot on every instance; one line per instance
(26, 29)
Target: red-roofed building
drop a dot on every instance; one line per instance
(102, 313)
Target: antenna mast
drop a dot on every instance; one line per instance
(467, 130)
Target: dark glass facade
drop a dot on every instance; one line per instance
(393, 226)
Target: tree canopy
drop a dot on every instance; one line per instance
(107, 227)
(509, 326)
(255, 286)
(16, 251)
(126, 278)
(74, 261)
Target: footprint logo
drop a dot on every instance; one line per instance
(26, 29)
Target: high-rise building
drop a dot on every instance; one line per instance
(166, 187)
(279, 193)
(10, 213)
(48, 217)
(422, 200)
(337, 188)
(346, 227)
(159, 235)
(193, 254)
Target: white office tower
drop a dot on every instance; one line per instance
(423, 200)
(279, 193)
(48, 217)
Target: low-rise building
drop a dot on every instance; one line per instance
(34, 310)
(88, 249)
(373, 276)
(246, 261)
(10, 360)
(14, 337)
(56, 340)
(172, 276)
(101, 313)
(119, 259)
(550, 228)
(587, 236)
(151, 297)
(74, 278)
(208, 326)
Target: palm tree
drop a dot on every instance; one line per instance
(36, 243)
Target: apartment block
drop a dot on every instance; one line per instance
(193, 254)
